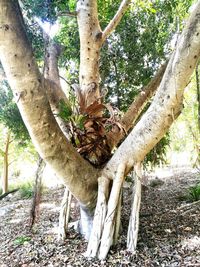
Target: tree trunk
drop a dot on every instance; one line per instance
(90, 43)
(198, 93)
(5, 165)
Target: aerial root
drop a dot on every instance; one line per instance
(64, 215)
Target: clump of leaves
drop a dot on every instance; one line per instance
(194, 192)
(21, 240)
(26, 190)
(88, 126)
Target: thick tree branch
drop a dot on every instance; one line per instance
(51, 73)
(90, 42)
(29, 88)
(135, 109)
(117, 18)
(167, 103)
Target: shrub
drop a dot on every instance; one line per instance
(26, 189)
(194, 192)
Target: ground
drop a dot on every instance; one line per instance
(169, 228)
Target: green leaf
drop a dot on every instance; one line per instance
(80, 122)
(21, 240)
(2, 153)
(65, 110)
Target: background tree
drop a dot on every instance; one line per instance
(94, 133)
(10, 117)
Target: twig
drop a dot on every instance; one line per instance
(189, 205)
(67, 13)
(65, 81)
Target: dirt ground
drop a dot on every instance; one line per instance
(169, 228)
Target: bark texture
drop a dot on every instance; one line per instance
(90, 42)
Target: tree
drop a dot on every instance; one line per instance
(10, 117)
(84, 177)
(4, 154)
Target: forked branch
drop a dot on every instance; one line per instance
(116, 19)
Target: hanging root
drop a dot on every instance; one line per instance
(64, 215)
(109, 225)
(106, 221)
(37, 192)
(118, 219)
(99, 217)
(133, 228)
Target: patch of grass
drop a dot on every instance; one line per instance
(194, 193)
(26, 189)
(21, 240)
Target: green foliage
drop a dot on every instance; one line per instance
(10, 115)
(66, 113)
(138, 46)
(194, 192)
(26, 189)
(157, 155)
(65, 110)
(185, 137)
(21, 240)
